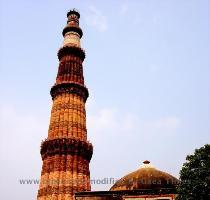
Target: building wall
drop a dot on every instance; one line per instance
(98, 198)
(121, 197)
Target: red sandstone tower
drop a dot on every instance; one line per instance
(66, 153)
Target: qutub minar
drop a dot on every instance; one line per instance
(66, 153)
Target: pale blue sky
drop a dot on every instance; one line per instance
(147, 70)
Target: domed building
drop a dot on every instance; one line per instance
(146, 183)
(146, 177)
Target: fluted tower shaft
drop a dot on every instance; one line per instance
(66, 153)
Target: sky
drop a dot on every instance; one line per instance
(147, 71)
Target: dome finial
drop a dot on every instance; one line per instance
(146, 162)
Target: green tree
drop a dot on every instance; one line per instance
(195, 176)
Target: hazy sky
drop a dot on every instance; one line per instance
(147, 69)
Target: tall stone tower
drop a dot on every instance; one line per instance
(66, 153)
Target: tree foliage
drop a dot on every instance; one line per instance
(195, 176)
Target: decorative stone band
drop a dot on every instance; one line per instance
(71, 50)
(72, 106)
(71, 88)
(76, 29)
(66, 146)
(67, 124)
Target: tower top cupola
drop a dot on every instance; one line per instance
(73, 12)
(72, 32)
